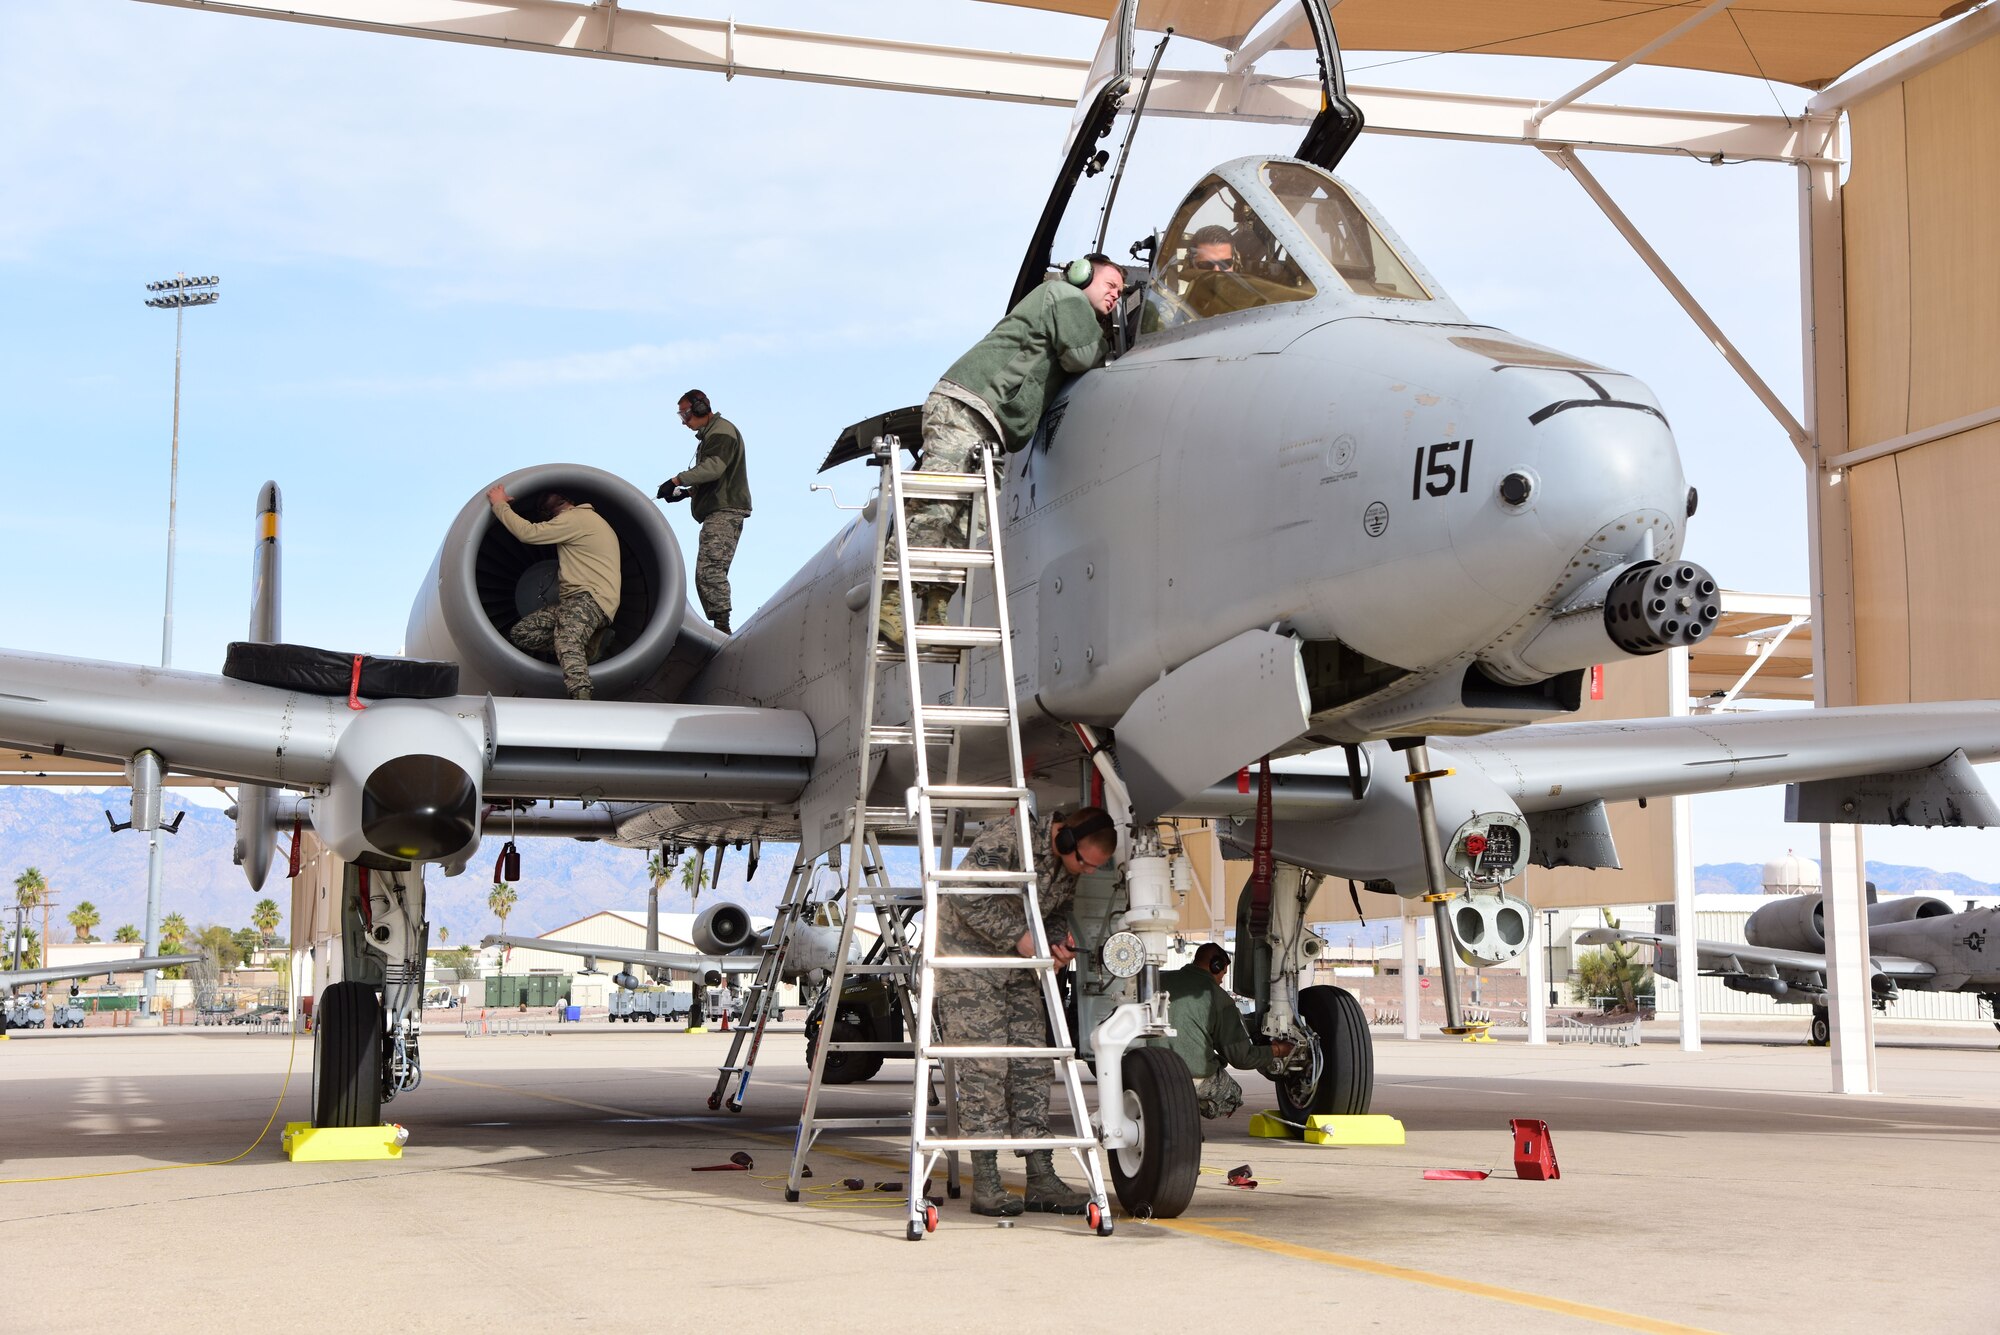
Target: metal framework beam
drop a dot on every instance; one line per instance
(725, 47)
(1616, 68)
(1567, 160)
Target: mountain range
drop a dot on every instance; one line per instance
(63, 833)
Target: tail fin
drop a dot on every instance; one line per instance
(256, 829)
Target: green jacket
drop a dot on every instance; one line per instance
(719, 478)
(1207, 1025)
(1015, 370)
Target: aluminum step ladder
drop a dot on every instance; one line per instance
(933, 813)
(762, 996)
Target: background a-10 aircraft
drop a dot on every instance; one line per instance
(1311, 510)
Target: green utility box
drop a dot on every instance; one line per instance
(535, 989)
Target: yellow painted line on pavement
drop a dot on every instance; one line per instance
(1605, 1316)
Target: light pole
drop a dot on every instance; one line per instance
(174, 294)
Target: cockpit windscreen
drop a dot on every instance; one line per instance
(1216, 258)
(1333, 222)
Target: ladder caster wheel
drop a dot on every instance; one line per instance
(734, 1105)
(1100, 1220)
(915, 1232)
(791, 1195)
(954, 1190)
(714, 1102)
(930, 1218)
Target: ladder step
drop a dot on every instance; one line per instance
(859, 1045)
(937, 564)
(955, 637)
(820, 1124)
(1003, 1142)
(974, 794)
(916, 484)
(977, 1051)
(873, 970)
(965, 716)
(991, 962)
(982, 876)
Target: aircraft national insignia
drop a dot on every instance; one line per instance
(1975, 941)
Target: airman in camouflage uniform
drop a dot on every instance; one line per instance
(717, 485)
(1010, 1096)
(993, 398)
(587, 581)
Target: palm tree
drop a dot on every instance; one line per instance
(85, 917)
(127, 935)
(29, 892)
(173, 941)
(444, 933)
(502, 900)
(694, 874)
(265, 918)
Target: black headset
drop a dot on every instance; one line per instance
(697, 402)
(1068, 837)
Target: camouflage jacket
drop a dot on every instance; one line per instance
(992, 924)
(719, 477)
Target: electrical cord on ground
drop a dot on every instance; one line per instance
(291, 1056)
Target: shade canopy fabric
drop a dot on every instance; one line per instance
(1806, 42)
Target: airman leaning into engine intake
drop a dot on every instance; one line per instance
(995, 395)
(587, 582)
(718, 485)
(1001, 1096)
(1209, 1033)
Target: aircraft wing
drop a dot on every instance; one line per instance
(1730, 958)
(655, 959)
(55, 974)
(1551, 766)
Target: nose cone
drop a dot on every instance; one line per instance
(1583, 476)
(421, 808)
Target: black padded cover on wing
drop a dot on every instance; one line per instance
(299, 667)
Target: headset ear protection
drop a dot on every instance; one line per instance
(697, 403)
(1068, 837)
(1079, 272)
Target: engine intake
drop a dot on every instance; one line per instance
(484, 579)
(723, 929)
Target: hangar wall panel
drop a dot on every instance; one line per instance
(1922, 241)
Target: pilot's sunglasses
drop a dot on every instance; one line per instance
(1222, 265)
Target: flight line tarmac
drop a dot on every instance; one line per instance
(547, 1183)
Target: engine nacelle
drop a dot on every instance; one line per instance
(723, 929)
(1797, 922)
(1908, 909)
(484, 580)
(405, 787)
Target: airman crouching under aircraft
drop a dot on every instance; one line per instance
(995, 395)
(587, 575)
(1209, 1033)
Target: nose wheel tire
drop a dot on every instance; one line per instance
(1347, 1077)
(1155, 1178)
(850, 1025)
(347, 1057)
(1822, 1031)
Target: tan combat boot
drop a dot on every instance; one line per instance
(890, 624)
(1048, 1193)
(988, 1196)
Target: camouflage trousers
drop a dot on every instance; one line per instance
(720, 533)
(1218, 1094)
(998, 1096)
(565, 627)
(954, 436)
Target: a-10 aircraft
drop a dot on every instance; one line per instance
(1915, 944)
(1311, 511)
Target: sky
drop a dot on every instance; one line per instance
(444, 262)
